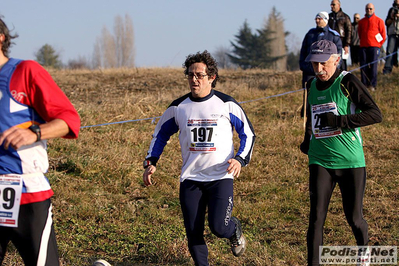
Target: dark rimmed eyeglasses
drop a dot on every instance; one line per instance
(197, 76)
(369, 8)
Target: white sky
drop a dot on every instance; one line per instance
(166, 31)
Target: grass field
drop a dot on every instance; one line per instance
(102, 209)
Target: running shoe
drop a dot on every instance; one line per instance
(101, 263)
(237, 241)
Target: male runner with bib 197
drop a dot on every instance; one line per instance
(205, 118)
(33, 109)
(338, 105)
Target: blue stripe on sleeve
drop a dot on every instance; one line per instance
(167, 130)
(239, 127)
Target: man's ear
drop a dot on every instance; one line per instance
(337, 62)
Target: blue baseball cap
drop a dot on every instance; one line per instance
(321, 51)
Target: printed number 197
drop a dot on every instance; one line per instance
(200, 134)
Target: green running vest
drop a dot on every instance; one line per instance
(334, 148)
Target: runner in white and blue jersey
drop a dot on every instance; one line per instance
(205, 119)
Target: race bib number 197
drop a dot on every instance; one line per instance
(202, 134)
(10, 198)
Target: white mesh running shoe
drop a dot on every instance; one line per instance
(101, 263)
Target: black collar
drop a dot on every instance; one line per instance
(203, 98)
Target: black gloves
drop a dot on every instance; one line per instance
(304, 147)
(329, 119)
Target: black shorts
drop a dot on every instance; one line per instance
(34, 237)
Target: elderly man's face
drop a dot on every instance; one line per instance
(335, 6)
(325, 70)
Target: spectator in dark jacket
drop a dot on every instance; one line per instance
(392, 23)
(355, 42)
(321, 32)
(341, 22)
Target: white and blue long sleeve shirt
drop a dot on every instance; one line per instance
(206, 135)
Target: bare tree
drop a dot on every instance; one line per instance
(80, 63)
(96, 60)
(124, 39)
(119, 33)
(108, 48)
(293, 42)
(222, 57)
(115, 50)
(275, 27)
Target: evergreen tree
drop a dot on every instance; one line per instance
(265, 48)
(48, 57)
(293, 48)
(264, 57)
(244, 51)
(292, 61)
(252, 50)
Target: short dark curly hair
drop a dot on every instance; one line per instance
(206, 58)
(8, 37)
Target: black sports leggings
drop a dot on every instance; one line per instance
(322, 182)
(195, 198)
(34, 237)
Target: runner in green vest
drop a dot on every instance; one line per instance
(338, 104)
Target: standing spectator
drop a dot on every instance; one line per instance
(372, 36)
(392, 23)
(338, 104)
(206, 119)
(341, 22)
(33, 109)
(355, 42)
(321, 32)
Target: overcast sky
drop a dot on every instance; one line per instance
(165, 31)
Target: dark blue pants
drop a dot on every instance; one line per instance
(322, 181)
(368, 61)
(392, 49)
(355, 50)
(195, 197)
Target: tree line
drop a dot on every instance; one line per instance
(264, 48)
(111, 50)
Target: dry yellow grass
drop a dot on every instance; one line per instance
(102, 209)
